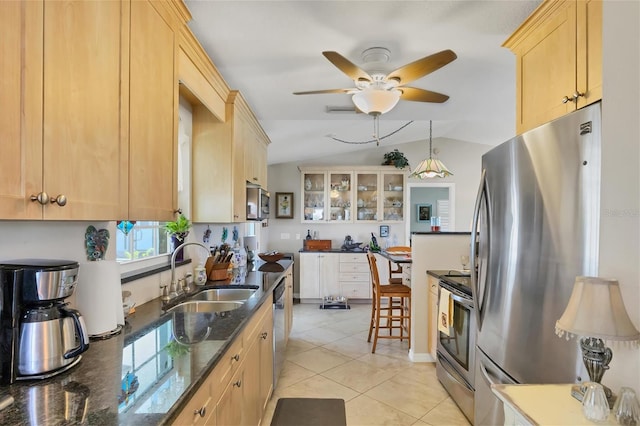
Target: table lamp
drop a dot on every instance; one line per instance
(596, 313)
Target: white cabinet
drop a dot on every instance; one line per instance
(326, 196)
(352, 194)
(318, 275)
(380, 196)
(354, 276)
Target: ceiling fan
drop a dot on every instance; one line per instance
(377, 93)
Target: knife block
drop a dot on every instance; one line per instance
(219, 271)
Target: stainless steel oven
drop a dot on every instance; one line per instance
(455, 366)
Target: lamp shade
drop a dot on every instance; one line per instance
(376, 101)
(430, 168)
(596, 309)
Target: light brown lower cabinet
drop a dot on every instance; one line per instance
(238, 389)
(432, 341)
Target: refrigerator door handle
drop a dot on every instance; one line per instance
(475, 272)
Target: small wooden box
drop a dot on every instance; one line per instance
(316, 245)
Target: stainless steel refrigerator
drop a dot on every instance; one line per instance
(537, 222)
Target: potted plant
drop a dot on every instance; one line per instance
(395, 158)
(178, 229)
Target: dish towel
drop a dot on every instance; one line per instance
(445, 311)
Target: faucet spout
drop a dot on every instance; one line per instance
(174, 283)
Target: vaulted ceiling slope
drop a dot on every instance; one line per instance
(270, 49)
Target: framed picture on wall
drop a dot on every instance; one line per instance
(423, 212)
(284, 205)
(384, 231)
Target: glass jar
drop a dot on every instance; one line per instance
(594, 403)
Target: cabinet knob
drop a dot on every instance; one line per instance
(573, 98)
(201, 412)
(264, 335)
(42, 198)
(238, 383)
(236, 357)
(60, 200)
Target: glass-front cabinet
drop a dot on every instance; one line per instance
(327, 196)
(393, 196)
(354, 194)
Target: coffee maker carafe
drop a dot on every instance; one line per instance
(39, 335)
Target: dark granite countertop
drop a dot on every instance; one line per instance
(332, 251)
(92, 392)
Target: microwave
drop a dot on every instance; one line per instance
(257, 203)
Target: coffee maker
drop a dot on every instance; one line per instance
(39, 335)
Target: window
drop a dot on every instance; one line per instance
(143, 240)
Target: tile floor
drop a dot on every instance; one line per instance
(328, 357)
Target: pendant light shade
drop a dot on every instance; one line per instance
(430, 167)
(376, 101)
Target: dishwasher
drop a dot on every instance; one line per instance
(278, 329)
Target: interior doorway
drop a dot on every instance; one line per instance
(438, 199)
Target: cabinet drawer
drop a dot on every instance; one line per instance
(354, 276)
(228, 365)
(255, 325)
(356, 290)
(354, 267)
(353, 257)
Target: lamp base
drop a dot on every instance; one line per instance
(577, 391)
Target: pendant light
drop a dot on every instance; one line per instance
(430, 167)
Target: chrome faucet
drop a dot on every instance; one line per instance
(173, 288)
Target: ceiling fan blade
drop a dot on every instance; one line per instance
(346, 66)
(422, 67)
(421, 95)
(317, 92)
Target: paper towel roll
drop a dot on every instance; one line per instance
(99, 296)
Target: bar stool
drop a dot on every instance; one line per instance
(395, 275)
(391, 302)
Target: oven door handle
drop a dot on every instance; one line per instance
(463, 300)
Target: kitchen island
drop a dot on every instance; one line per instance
(142, 376)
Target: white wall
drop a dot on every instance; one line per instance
(620, 195)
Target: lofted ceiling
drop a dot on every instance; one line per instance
(270, 49)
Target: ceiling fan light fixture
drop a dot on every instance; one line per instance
(376, 101)
(430, 167)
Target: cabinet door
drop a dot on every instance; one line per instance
(265, 344)
(432, 340)
(546, 69)
(367, 190)
(288, 306)
(340, 195)
(589, 54)
(238, 181)
(392, 203)
(153, 109)
(313, 197)
(21, 99)
(329, 275)
(309, 276)
(230, 406)
(84, 147)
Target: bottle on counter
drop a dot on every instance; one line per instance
(308, 237)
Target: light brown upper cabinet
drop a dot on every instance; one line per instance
(220, 157)
(558, 60)
(89, 110)
(153, 110)
(64, 155)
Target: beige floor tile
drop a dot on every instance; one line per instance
(364, 411)
(292, 373)
(408, 395)
(446, 413)
(350, 346)
(317, 387)
(359, 375)
(319, 359)
(320, 336)
(422, 372)
(295, 345)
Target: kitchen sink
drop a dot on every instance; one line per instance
(224, 294)
(199, 307)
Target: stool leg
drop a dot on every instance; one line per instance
(373, 318)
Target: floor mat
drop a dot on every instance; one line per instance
(309, 412)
